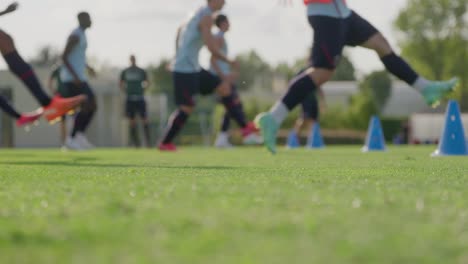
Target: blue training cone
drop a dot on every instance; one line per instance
(375, 140)
(452, 141)
(293, 140)
(315, 139)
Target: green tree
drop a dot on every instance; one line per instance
(345, 70)
(377, 85)
(161, 78)
(434, 37)
(254, 72)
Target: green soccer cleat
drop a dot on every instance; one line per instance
(436, 91)
(269, 130)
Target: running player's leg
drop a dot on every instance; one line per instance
(132, 123)
(144, 117)
(21, 69)
(86, 114)
(7, 108)
(329, 40)
(185, 87)
(231, 101)
(364, 34)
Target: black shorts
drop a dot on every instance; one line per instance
(187, 85)
(310, 108)
(135, 107)
(70, 90)
(332, 34)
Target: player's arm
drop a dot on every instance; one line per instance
(146, 82)
(122, 81)
(11, 8)
(214, 61)
(91, 71)
(71, 44)
(179, 30)
(205, 28)
(51, 82)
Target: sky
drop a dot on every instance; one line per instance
(147, 28)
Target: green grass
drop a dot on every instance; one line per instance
(240, 206)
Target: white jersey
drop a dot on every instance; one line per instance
(223, 66)
(76, 58)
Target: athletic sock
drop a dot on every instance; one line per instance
(7, 108)
(176, 123)
(24, 72)
(226, 123)
(299, 88)
(400, 68)
(420, 84)
(146, 130)
(234, 109)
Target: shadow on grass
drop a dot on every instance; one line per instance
(81, 162)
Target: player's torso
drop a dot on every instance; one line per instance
(77, 57)
(190, 43)
(330, 8)
(223, 66)
(134, 78)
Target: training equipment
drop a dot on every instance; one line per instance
(315, 140)
(293, 140)
(375, 140)
(452, 141)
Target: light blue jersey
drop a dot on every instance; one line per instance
(190, 43)
(224, 67)
(76, 58)
(336, 9)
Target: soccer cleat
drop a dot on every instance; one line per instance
(60, 106)
(269, 130)
(222, 141)
(73, 144)
(168, 147)
(250, 135)
(83, 141)
(28, 118)
(434, 92)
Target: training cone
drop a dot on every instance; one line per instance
(452, 141)
(293, 140)
(315, 140)
(375, 140)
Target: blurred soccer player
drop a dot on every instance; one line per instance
(223, 70)
(335, 25)
(75, 81)
(134, 81)
(56, 87)
(190, 78)
(52, 108)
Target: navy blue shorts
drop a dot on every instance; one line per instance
(136, 107)
(187, 85)
(331, 35)
(310, 108)
(70, 90)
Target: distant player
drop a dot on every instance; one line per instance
(75, 81)
(133, 82)
(335, 25)
(190, 78)
(56, 87)
(52, 108)
(222, 70)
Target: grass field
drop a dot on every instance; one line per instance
(240, 206)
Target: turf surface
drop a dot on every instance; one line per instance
(240, 206)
